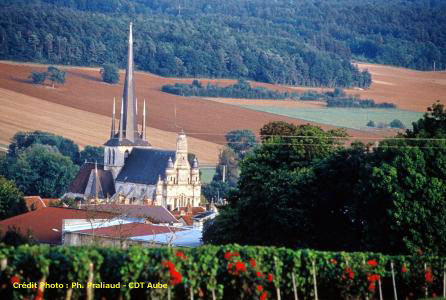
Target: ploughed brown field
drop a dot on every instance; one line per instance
(81, 108)
(26, 113)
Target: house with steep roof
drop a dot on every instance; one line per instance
(133, 171)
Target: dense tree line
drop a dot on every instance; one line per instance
(357, 103)
(44, 164)
(303, 188)
(169, 45)
(241, 89)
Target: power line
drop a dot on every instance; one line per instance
(274, 135)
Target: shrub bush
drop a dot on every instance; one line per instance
(227, 272)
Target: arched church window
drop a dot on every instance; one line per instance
(113, 156)
(126, 155)
(109, 156)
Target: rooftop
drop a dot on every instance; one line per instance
(45, 224)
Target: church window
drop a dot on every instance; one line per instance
(109, 156)
(113, 154)
(126, 155)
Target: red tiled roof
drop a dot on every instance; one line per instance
(195, 210)
(45, 224)
(187, 219)
(157, 214)
(130, 230)
(35, 202)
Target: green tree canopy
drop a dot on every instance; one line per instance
(92, 154)
(241, 141)
(38, 77)
(110, 73)
(55, 75)
(23, 140)
(42, 170)
(303, 190)
(11, 199)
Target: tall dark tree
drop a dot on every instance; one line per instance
(41, 170)
(110, 74)
(241, 141)
(11, 199)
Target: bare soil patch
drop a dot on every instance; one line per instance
(26, 113)
(408, 89)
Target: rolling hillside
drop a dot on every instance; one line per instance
(81, 108)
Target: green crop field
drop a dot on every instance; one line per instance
(355, 118)
(207, 173)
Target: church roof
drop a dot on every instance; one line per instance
(113, 142)
(80, 182)
(144, 166)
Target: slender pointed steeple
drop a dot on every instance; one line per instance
(121, 119)
(136, 117)
(128, 133)
(144, 122)
(112, 132)
(129, 120)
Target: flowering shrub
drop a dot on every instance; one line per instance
(226, 272)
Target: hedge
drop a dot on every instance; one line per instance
(217, 272)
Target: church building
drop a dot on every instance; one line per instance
(133, 171)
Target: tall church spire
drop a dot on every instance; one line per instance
(129, 127)
(128, 134)
(112, 132)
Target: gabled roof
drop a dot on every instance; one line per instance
(156, 214)
(187, 220)
(46, 224)
(80, 182)
(194, 210)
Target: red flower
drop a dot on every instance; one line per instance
(350, 273)
(270, 277)
(429, 277)
(168, 264)
(372, 287)
(253, 262)
(228, 255)
(260, 288)
(333, 261)
(239, 266)
(176, 277)
(229, 267)
(180, 254)
(264, 296)
(259, 274)
(236, 254)
(373, 278)
(403, 268)
(372, 263)
(15, 279)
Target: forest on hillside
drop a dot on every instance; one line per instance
(304, 42)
